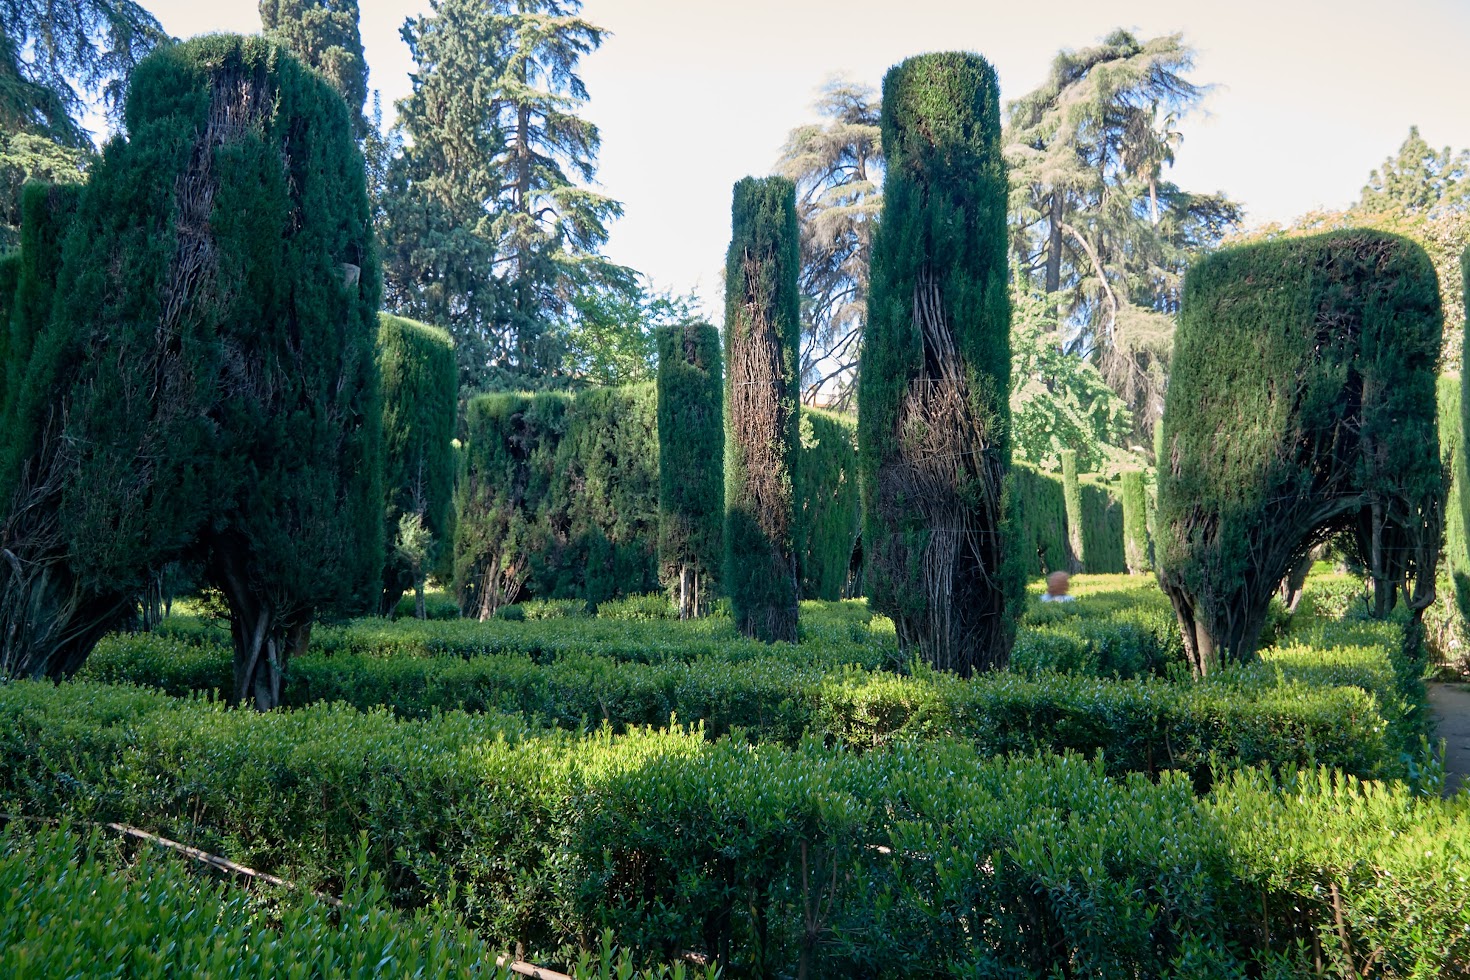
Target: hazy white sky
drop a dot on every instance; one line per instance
(692, 95)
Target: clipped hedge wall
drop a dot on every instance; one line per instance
(1102, 528)
(1040, 509)
(558, 498)
(929, 859)
(1137, 552)
(691, 478)
(829, 513)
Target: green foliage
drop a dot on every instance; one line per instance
(558, 496)
(762, 338)
(1076, 519)
(1137, 550)
(829, 516)
(691, 450)
(419, 385)
(324, 34)
(1059, 401)
(1304, 384)
(933, 392)
(209, 352)
(1102, 528)
(25, 157)
(1040, 511)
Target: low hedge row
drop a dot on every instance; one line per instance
(70, 908)
(1349, 701)
(910, 860)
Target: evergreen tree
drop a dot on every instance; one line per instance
(1418, 180)
(419, 396)
(691, 449)
(762, 334)
(1302, 405)
(1092, 216)
(324, 34)
(933, 387)
(837, 167)
(210, 351)
(487, 230)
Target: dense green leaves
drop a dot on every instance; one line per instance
(691, 450)
(762, 337)
(324, 34)
(1303, 403)
(933, 391)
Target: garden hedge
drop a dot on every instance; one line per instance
(933, 392)
(912, 859)
(829, 512)
(1301, 404)
(1102, 528)
(420, 386)
(762, 418)
(1077, 522)
(1137, 551)
(691, 452)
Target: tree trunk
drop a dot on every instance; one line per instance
(48, 623)
(419, 612)
(1054, 247)
(261, 631)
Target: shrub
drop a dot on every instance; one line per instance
(933, 408)
(762, 336)
(419, 383)
(1137, 550)
(1041, 519)
(1303, 385)
(691, 450)
(1076, 518)
(829, 512)
(1102, 528)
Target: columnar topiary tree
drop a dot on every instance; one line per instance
(1135, 522)
(1301, 404)
(50, 618)
(691, 449)
(215, 314)
(420, 382)
(762, 334)
(1076, 526)
(933, 413)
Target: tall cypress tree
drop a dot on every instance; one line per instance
(933, 412)
(326, 35)
(691, 448)
(214, 342)
(420, 384)
(762, 334)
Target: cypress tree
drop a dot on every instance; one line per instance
(325, 34)
(1072, 493)
(1301, 404)
(933, 412)
(1135, 523)
(762, 334)
(219, 291)
(829, 511)
(420, 385)
(691, 450)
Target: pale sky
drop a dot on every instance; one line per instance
(692, 95)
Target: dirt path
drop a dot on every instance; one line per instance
(1451, 706)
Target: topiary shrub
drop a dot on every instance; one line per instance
(691, 450)
(762, 324)
(1301, 404)
(1076, 521)
(419, 381)
(933, 410)
(1102, 527)
(1040, 514)
(829, 512)
(211, 351)
(1137, 551)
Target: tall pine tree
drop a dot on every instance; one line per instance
(325, 35)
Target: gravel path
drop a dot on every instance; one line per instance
(1451, 706)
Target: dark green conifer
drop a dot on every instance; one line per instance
(1072, 494)
(420, 383)
(1135, 522)
(762, 334)
(1301, 405)
(691, 450)
(933, 412)
(327, 36)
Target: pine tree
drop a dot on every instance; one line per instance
(1418, 180)
(762, 333)
(488, 230)
(691, 478)
(837, 167)
(935, 378)
(325, 35)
